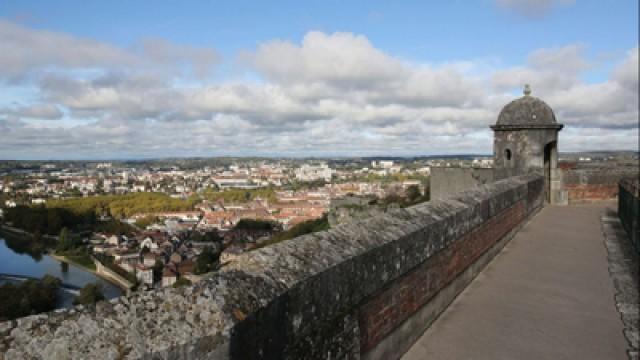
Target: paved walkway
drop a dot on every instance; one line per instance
(547, 295)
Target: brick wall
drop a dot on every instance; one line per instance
(591, 192)
(394, 304)
(595, 184)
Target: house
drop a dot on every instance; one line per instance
(144, 274)
(169, 276)
(102, 248)
(129, 256)
(175, 258)
(113, 240)
(148, 243)
(149, 259)
(186, 267)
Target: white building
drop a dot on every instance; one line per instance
(106, 185)
(310, 172)
(144, 274)
(225, 182)
(385, 164)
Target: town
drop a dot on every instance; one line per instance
(201, 218)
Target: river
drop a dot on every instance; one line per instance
(26, 265)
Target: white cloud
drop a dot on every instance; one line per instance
(25, 50)
(532, 8)
(339, 59)
(34, 111)
(331, 94)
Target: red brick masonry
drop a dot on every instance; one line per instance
(383, 312)
(589, 192)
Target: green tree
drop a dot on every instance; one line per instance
(89, 294)
(146, 221)
(254, 224)
(211, 236)
(157, 270)
(64, 241)
(208, 260)
(54, 222)
(413, 193)
(28, 297)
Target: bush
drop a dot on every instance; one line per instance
(413, 193)
(89, 294)
(181, 282)
(303, 228)
(210, 236)
(254, 224)
(208, 260)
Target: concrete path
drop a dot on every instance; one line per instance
(547, 295)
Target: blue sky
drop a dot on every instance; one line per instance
(474, 44)
(432, 31)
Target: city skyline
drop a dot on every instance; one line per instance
(319, 79)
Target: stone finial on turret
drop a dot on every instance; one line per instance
(527, 89)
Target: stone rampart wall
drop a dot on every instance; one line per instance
(629, 209)
(343, 293)
(594, 184)
(447, 181)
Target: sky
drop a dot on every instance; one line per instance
(148, 79)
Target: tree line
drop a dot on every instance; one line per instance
(83, 213)
(34, 296)
(123, 206)
(239, 195)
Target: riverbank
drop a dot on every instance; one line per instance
(15, 231)
(99, 271)
(25, 264)
(94, 268)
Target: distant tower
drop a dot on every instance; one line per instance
(526, 138)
